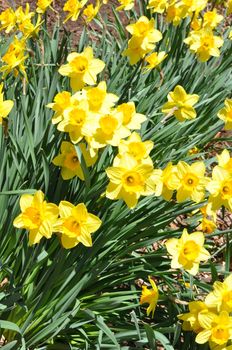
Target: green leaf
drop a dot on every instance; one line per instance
(10, 325)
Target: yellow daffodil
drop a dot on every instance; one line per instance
(157, 6)
(91, 11)
(82, 68)
(197, 310)
(180, 104)
(29, 29)
(69, 162)
(207, 226)
(135, 147)
(76, 225)
(194, 150)
(129, 180)
(220, 188)
(109, 130)
(224, 160)
(194, 6)
(207, 211)
(144, 37)
(212, 19)
(175, 12)
(131, 119)
(196, 22)
(221, 296)
(38, 216)
(73, 7)
(14, 58)
(24, 14)
(225, 114)
(150, 296)
(42, 5)
(24, 21)
(163, 180)
(216, 328)
(5, 105)
(100, 101)
(125, 5)
(145, 29)
(189, 181)
(166, 180)
(75, 121)
(154, 60)
(8, 20)
(62, 101)
(135, 51)
(188, 251)
(204, 43)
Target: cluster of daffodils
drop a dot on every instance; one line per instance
(131, 174)
(20, 20)
(26, 22)
(14, 59)
(73, 224)
(189, 182)
(89, 10)
(201, 40)
(85, 8)
(73, 9)
(93, 121)
(210, 319)
(143, 40)
(23, 24)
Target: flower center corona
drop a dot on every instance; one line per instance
(133, 181)
(75, 159)
(190, 180)
(108, 124)
(79, 64)
(34, 215)
(220, 334)
(72, 226)
(190, 250)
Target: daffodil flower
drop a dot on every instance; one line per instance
(188, 251)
